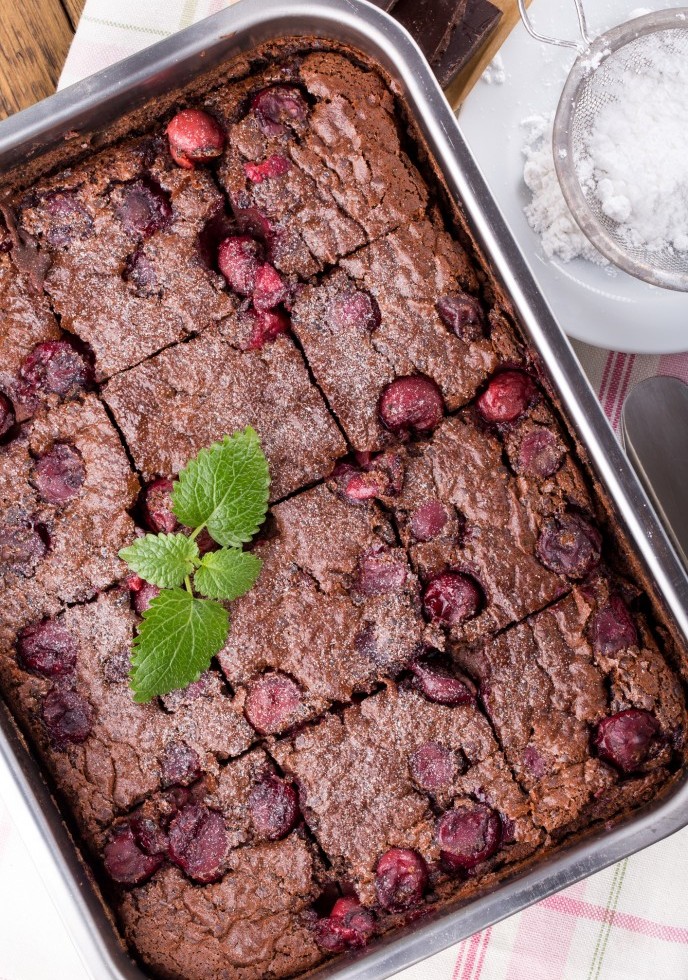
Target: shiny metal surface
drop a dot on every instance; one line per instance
(654, 426)
(90, 104)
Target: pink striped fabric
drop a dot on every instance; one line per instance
(629, 922)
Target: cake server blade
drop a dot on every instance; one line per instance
(654, 428)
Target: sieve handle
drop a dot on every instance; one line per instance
(582, 23)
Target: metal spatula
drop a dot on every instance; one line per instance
(654, 428)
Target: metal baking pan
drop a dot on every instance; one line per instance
(167, 66)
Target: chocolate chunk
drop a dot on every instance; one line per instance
(479, 21)
(430, 22)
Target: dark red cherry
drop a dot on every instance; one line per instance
(507, 396)
(274, 807)
(142, 593)
(612, 628)
(180, 764)
(156, 506)
(22, 547)
(272, 702)
(401, 878)
(279, 107)
(269, 289)
(468, 835)
(411, 404)
(433, 766)
(428, 521)
(68, 717)
(195, 137)
(380, 572)
(275, 166)
(143, 207)
(47, 648)
(463, 314)
(198, 843)
(59, 473)
(540, 454)
(570, 545)
(7, 416)
(440, 685)
(627, 738)
(55, 367)
(355, 310)
(348, 926)
(239, 259)
(265, 327)
(125, 861)
(451, 598)
(148, 834)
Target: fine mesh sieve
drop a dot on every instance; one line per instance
(592, 85)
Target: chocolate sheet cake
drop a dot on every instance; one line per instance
(446, 667)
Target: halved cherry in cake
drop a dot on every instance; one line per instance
(179, 764)
(47, 648)
(540, 453)
(279, 107)
(195, 137)
(274, 807)
(440, 684)
(269, 289)
(463, 314)
(156, 506)
(59, 473)
(612, 628)
(348, 926)
(68, 717)
(7, 416)
(379, 572)
(468, 835)
(411, 405)
(239, 259)
(272, 702)
(401, 878)
(143, 207)
(276, 165)
(23, 546)
(355, 309)
(570, 545)
(265, 327)
(628, 738)
(125, 861)
(428, 521)
(451, 598)
(142, 593)
(198, 843)
(55, 367)
(433, 766)
(507, 396)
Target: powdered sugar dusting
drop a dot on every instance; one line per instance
(548, 214)
(633, 160)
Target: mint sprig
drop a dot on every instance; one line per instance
(224, 490)
(164, 560)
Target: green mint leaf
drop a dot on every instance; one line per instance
(227, 574)
(225, 488)
(162, 559)
(176, 641)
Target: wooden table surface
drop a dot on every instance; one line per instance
(35, 36)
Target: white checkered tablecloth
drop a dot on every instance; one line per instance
(627, 923)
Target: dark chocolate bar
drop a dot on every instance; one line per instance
(480, 19)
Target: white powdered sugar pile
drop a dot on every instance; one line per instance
(634, 160)
(638, 148)
(548, 213)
